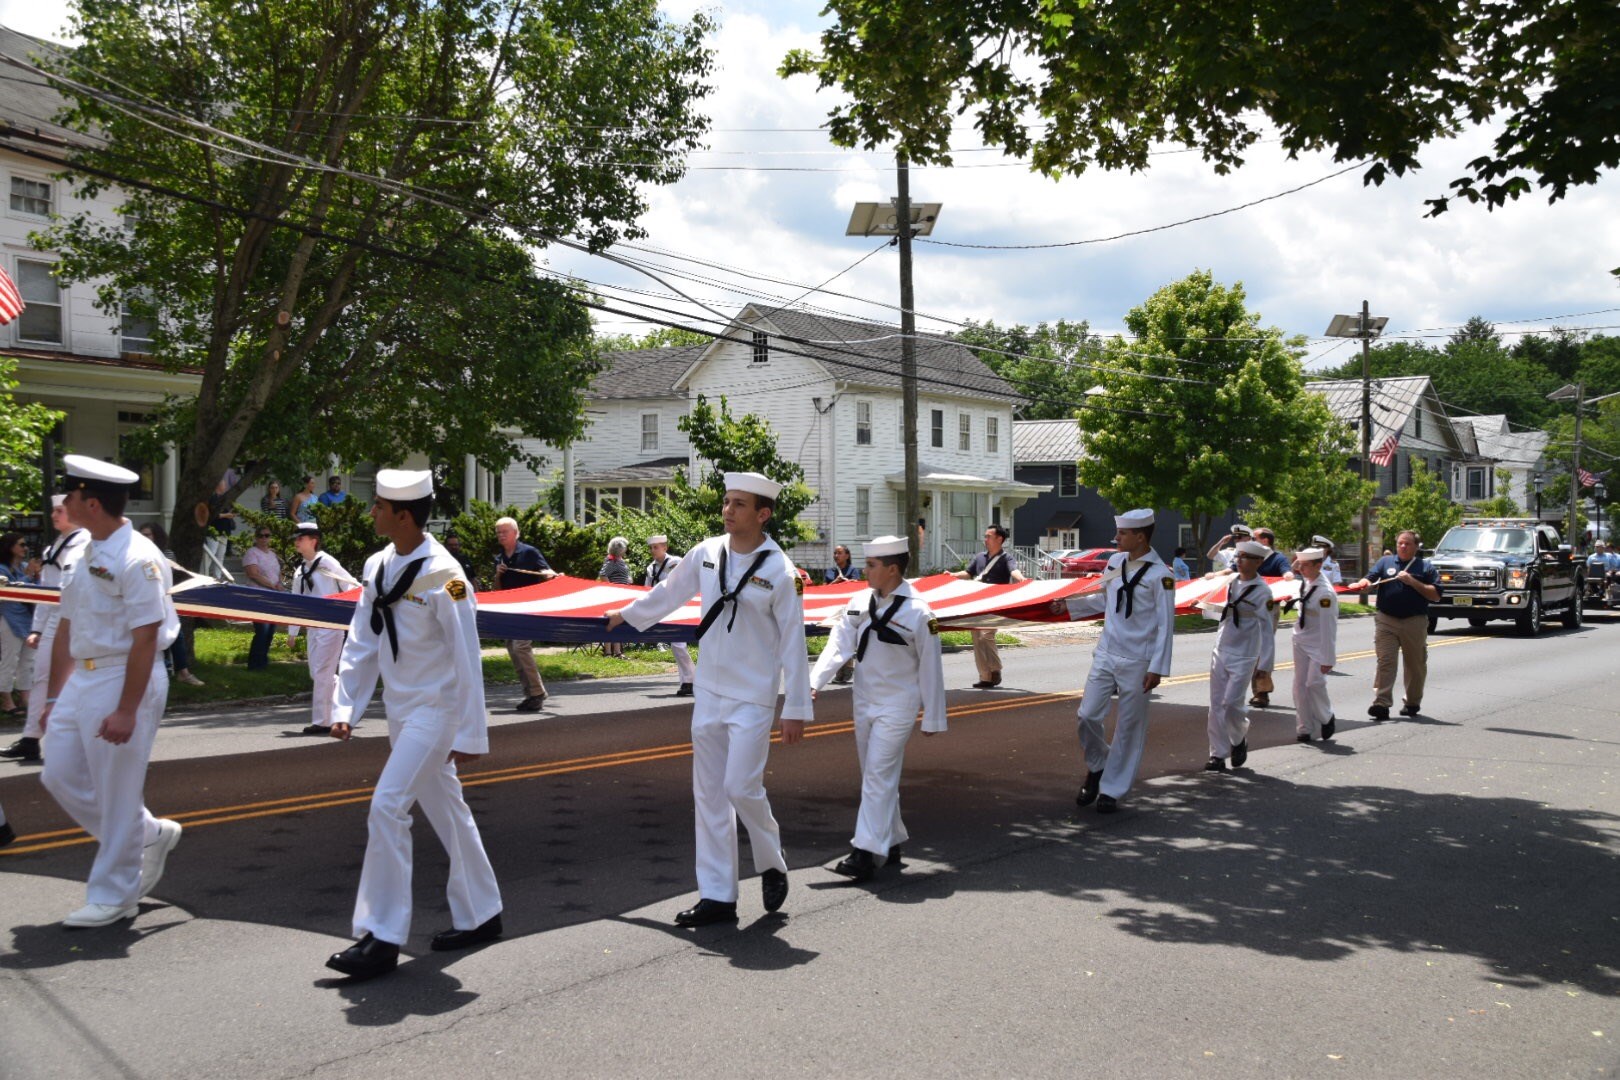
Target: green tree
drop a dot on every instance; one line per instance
(323, 206)
(1469, 375)
(1051, 364)
(1070, 85)
(1201, 407)
(1424, 506)
(575, 550)
(23, 427)
(1320, 494)
(723, 443)
(660, 338)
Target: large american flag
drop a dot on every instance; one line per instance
(11, 301)
(1385, 455)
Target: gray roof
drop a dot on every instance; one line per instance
(1393, 401)
(657, 471)
(1497, 440)
(643, 373)
(868, 354)
(27, 101)
(1041, 442)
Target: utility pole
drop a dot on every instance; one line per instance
(1365, 333)
(908, 358)
(1575, 470)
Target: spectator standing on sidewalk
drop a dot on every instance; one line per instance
(263, 569)
(1407, 584)
(615, 571)
(16, 623)
(518, 564)
(303, 503)
(273, 503)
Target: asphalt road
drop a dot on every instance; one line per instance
(1434, 896)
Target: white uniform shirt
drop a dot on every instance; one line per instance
(1224, 559)
(1247, 622)
(439, 668)
(764, 649)
(320, 576)
(119, 585)
(893, 680)
(656, 573)
(1148, 631)
(58, 559)
(1330, 571)
(1317, 631)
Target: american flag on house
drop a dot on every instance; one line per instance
(1586, 479)
(11, 301)
(1385, 455)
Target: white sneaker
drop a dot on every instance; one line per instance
(99, 915)
(156, 854)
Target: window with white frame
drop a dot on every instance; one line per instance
(135, 330)
(31, 197)
(649, 431)
(863, 511)
(863, 423)
(42, 319)
(1068, 484)
(964, 519)
(992, 434)
(1476, 484)
(964, 430)
(936, 428)
(762, 347)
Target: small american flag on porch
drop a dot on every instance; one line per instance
(1385, 454)
(11, 301)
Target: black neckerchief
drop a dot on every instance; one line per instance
(382, 613)
(54, 555)
(1126, 597)
(1232, 604)
(657, 569)
(306, 573)
(729, 596)
(879, 624)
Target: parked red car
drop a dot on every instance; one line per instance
(1086, 563)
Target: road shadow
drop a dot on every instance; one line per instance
(751, 946)
(418, 987)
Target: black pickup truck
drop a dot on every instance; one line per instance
(1507, 568)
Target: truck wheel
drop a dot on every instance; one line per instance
(1475, 620)
(1574, 613)
(1530, 622)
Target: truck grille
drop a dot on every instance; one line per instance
(1477, 579)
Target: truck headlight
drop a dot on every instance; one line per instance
(1516, 579)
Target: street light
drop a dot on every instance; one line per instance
(878, 219)
(1366, 327)
(1538, 482)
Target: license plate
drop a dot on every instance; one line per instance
(1464, 601)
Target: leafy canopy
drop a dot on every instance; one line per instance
(1424, 506)
(1075, 83)
(1050, 365)
(1321, 494)
(23, 427)
(723, 443)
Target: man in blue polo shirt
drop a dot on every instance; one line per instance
(1407, 585)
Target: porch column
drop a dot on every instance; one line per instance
(469, 482)
(168, 482)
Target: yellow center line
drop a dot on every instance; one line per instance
(297, 804)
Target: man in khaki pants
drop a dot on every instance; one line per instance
(993, 566)
(1406, 586)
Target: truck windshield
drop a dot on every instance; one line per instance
(1461, 541)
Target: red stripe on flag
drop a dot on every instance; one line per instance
(11, 301)
(1385, 455)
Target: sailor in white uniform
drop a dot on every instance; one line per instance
(59, 558)
(1316, 644)
(1330, 569)
(106, 693)
(752, 643)
(661, 566)
(894, 640)
(319, 575)
(1246, 628)
(1138, 604)
(415, 628)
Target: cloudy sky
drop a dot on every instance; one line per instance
(770, 198)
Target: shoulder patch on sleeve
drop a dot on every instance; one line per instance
(798, 584)
(150, 569)
(1325, 602)
(456, 588)
(1169, 583)
(933, 627)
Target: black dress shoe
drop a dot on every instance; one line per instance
(7, 834)
(1240, 754)
(895, 859)
(1261, 701)
(366, 958)
(773, 886)
(1215, 764)
(858, 864)
(685, 690)
(1088, 790)
(1329, 727)
(448, 940)
(1409, 710)
(24, 749)
(982, 685)
(316, 729)
(1303, 737)
(706, 912)
(531, 704)
(1107, 804)
(1379, 713)
(995, 678)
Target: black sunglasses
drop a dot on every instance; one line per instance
(264, 536)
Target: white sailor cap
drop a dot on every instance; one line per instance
(1133, 519)
(659, 539)
(1251, 547)
(1310, 554)
(58, 500)
(90, 474)
(404, 485)
(1322, 542)
(885, 545)
(308, 528)
(1242, 530)
(754, 483)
